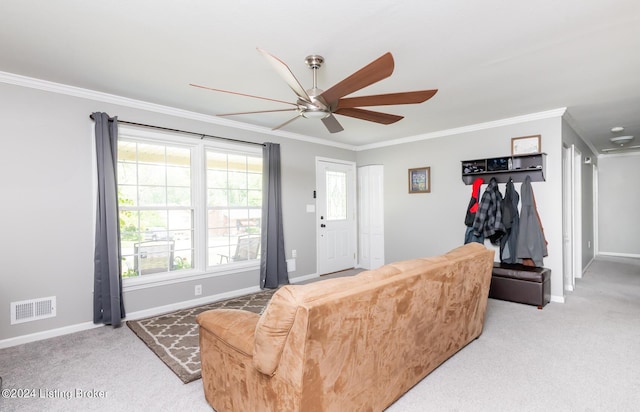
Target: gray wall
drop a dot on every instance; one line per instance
(46, 160)
(419, 225)
(47, 206)
(570, 137)
(618, 204)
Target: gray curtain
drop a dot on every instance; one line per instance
(108, 306)
(273, 265)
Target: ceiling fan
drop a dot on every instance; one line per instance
(315, 103)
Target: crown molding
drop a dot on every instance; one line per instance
(45, 85)
(466, 129)
(48, 86)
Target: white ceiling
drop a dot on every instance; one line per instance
(490, 60)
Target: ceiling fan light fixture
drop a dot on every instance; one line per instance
(621, 140)
(617, 129)
(315, 114)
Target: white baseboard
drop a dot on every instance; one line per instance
(304, 278)
(615, 254)
(158, 310)
(51, 333)
(557, 299)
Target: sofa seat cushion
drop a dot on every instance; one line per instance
(235, 327)
(521, 272)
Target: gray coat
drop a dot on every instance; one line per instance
(511, 220)
(531, 242)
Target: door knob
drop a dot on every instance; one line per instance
(323, 225)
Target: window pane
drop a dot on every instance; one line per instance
(217, 197)
(152, 195)
(178, 196)
(217, 179)
(336, 195)
(254, 165)
(156, 214)
(179, 156)
(151, 153)
(234, 185)
(217, 161)
(127, 151)
(127, 173)
(127, 195)
(237, 180)
(237, 163)
(237, 198)
(254, 198)
(254, 181)
(178, 176)
(152, 175)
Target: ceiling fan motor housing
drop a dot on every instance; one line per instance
(314, 61)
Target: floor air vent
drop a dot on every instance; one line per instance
(33, 309)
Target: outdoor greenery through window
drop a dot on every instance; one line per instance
(234, 207)
(186, 206)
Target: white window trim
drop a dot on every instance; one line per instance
(200, 270)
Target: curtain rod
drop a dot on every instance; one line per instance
(201, 135)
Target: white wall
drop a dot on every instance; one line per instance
(47, 207)
(619, 205)
(418, 225)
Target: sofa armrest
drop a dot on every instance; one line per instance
(234, 327)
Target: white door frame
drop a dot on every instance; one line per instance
(352, 210)
(572, 215)
(577, 212)
(595, 211)
(567, 220)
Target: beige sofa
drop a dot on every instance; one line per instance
(346, 344)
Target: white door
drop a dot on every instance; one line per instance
(335, 215)
(371, 216)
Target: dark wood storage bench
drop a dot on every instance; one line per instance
(521, 284)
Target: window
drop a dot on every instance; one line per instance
(186, 207)
(234, 207)
(336, 186)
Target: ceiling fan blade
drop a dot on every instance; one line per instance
(287, 122)
(284, 72)
(257, 111)
(241, 94)
(332, 124)
(384, 118)
(375, 71)
(387, 99)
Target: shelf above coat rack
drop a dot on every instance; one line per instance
(503, 168)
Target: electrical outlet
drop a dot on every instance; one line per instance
(198, 290)
(589, 244)
(294, 253)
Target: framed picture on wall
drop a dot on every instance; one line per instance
(525, 145)
(420, 180)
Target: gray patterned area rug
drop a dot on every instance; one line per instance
(173, 337)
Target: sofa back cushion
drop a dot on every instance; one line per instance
(276, 323)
